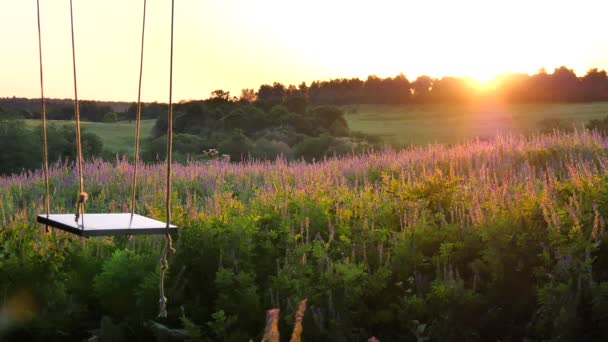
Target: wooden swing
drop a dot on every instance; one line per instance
(111, 224)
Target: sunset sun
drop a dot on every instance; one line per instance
(239, 44)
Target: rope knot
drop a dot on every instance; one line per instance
(171, 248)
(82, 198)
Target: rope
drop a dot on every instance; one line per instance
(170, 125)
(82, 196)
(45, 148)
(138, 119)
(164, 266)
(168, 243)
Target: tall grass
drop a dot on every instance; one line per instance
(356, 234)
(484, 178)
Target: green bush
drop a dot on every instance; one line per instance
(121, 285)
(270, 149)
(110, 117)
(313, 148)
(22, 147)
(237, 145)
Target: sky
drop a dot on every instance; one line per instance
(236, 44)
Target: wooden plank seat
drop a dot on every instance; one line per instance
(107, 224)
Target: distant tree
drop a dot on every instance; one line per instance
(300, 124)
(246, 118)
(397, 90)
(220, 95)
(154, 110)
(513, 88)
(93, 111)
(594, 86)
(248, 95)
(421, 88)
(17, 146)
(451, 90)
(22, 147)
(236, 144)
(278, 113)
(313, 147)
(303, 88)
(292, 91)
(268, 96)
(110, 117)
(270, 149)
(539, 87)
(63, 112)
(565, 85)
(10, 115)
(296, 104)
(328, 116)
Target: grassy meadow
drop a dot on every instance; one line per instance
(482, 241)
(448, 124)
(406, 124)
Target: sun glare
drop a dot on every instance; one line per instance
(240, 44)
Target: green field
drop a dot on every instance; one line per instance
(423, 124)
(407, 124)
(116, 137)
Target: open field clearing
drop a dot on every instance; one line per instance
(423, 124)
(116, 137)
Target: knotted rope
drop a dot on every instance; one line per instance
(164, 265)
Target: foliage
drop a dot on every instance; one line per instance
(273, 126)
(485, 240)
(120, 281)
(22, 147)
(110, 117)
(563, 85)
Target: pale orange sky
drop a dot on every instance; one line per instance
(235, 44)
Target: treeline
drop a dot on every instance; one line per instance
(563, 85)
(96, 111)
(213, 128)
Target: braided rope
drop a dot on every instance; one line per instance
(168, 242)
(82, 196)
(45, 148)
(138, 118)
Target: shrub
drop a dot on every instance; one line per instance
(119, 284)
(237, 145)
(313, 147)
(110, 117)
(270, 149)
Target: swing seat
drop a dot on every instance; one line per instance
(107, 224)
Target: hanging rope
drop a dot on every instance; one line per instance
(138, 115)
(45, 148)
(170, 125)
(82, 196)
(164, 265)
